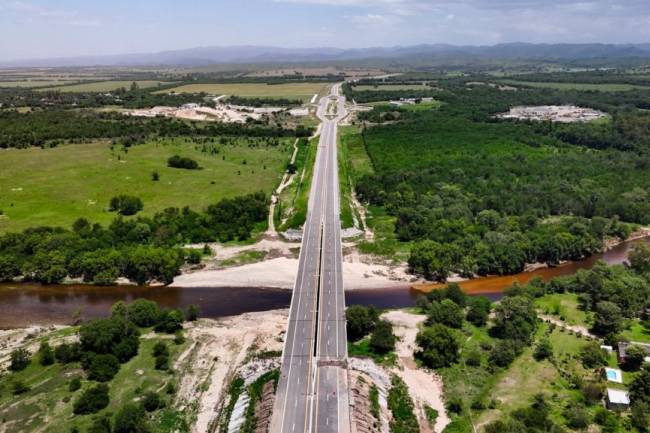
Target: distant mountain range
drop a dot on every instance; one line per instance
(263, 54)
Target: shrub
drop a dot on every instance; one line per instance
(45, 353)
(360, 320)
(455, 405)
(125, 205)
(19, 387)
(192, 313)
(592, 392)
(503, 353)
(131, 419)
(151, 402)
(177, 161)
(162, 362)
(543, 350)
(577, 417)
(127, 348)
(74, 385)
(382, 339)
(170, 321)
(143, 313)
(160, 349)
(438, 346)
(592, 356)
(103, 368)
(92, 400)
(20, 359)
(155, 176)
(101, 424)
(193, 257)
(473, 359)
(179, 338)
(65, 353)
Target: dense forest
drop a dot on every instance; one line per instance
(482, 196)
(142, 249)
(43, 127)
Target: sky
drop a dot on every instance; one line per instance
(67, 28)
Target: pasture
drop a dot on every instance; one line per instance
(302, 91)
(105, 86)
(57, 186)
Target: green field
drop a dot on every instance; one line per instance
(105, 86)
(35, 83)
(302, 91)
(380, 87)
(47, 406)
(565, 307)
(575, 86)
(57, 186)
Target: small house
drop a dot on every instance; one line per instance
(623, 346)
(617, 399)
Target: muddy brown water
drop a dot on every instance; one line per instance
(24, 304)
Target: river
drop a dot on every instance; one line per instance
(24, 304)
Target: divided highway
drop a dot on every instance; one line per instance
(312, 395)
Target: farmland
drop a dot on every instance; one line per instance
(600, 87)
(105, 86)
(56, 186)
(302, 91)
(363, 87)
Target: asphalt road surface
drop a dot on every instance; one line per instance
(312, 395)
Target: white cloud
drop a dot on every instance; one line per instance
(68, 17)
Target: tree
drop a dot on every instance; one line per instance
(592, 356)
(9, 268)
(20, 359)
(479, 310)
(143, 313)
(127, 348)
(640, 416)
(177, 161)
(103, 367)
(192, 313)
(382, 339)
(45, 353)
(446, 312)
(608, 318)
(103, 335)
(131, 418)
(92, 400)
(438, 346)
(515, 318)
(634, 356)
(101, 424)
(433, 260)
(640, 387)
(125, 205)
(74, 385)
(155, 176)
(639, 258)
(503, 353)
(151, 401)
(170, 321)
(543, 350)
(65, 353)
(159, 349)
(360, 320)
(19, 387)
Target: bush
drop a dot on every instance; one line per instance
(577, 417)
(193, 257)
(151, 402)
(160, 349)
(20, 359)
(592, 356)
(143, 313)
(19, 387)
(446, 312)
(634, 356)
(74, 385)
(45, 353)
(473, 359)
(102, 336)
(192, 313)
(382, 339)
(170, 321)
(503, 353)
(543, 350)
(101, 424)
(438, 346)
(360, 320)
(162, 362)
(103, 368)
(455, 405)
(127, 348)
(131, 419)
(179, 338)
(92, 400)
(592, 392)
(66, 353)
(177, 161)
(125, 205)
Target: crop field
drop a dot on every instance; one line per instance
(364, 87)
(105, 86)
(57, 186)
(35, 83)
(611, 87)
(302, 91)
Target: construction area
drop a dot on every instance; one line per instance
(553, 113)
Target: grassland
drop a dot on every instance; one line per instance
(363, 87)
(565, 307)
(35, 83)
(57, 186)
(613, 87)
(105, 86)
(302, 91)
(294, 200)
(47, 406)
